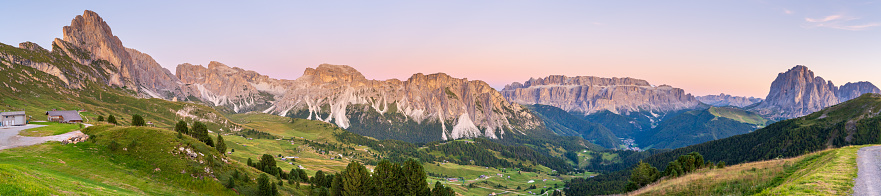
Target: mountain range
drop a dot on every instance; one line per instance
(432, 107)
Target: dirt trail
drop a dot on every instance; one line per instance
(869, 174)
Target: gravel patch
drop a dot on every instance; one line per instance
(868, 181)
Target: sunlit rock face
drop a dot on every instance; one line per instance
(797, 92)
(463, 108)
(588, 94)
(90, 41)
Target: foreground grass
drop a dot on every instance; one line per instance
(831, 174)
(51, 128)
(828, 172)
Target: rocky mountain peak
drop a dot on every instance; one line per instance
(798, 92)
(326, 73)
(90, 32)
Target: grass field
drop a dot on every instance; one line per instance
(739, 115)
(828, 172)
(51, 128)
(494, 183)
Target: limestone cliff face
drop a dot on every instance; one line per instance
(588, 94)
(90, 41)
(797, 92)
(330, 92)
(723, 99)
(853, 90)
(234, 87)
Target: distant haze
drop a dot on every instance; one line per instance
(704, 47)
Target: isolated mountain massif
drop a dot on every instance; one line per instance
(589, 94)
(797, 92)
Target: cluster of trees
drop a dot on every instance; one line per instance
(644, 173)
(138, 120)
(110, 119)
(199, 131)
(467, 152)
(388, 178)
(251, 133)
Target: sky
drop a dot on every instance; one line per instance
(703, 47)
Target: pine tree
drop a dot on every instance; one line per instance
(100, 118)
(220, 146)
(336, 187)
(268, 164)
(644, 174)
(415, 178)
(181, 127)
(200, 132)
(112, 120)
(319, 178)
(355, 180)
(388, 177)
(264, 187)
(138, 120)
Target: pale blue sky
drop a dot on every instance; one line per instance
(704, 47)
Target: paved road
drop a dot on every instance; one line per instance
(9, 137)
(868, 181)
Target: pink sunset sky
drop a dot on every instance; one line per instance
(704, 47)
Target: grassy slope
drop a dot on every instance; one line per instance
(828, 172)
(52, 128)
(739, 115)
(831, 174)
(92, 168)
(27, 89)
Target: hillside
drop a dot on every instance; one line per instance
(35, 92)
(854, 122)
(828, 172)
(122, 161)
(698, 126)
(563, 123)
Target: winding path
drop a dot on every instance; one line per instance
(868, 181)
(9, 137)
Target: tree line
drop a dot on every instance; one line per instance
(388, 178)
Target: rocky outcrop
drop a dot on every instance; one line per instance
(238, 89)
(797, 92)
(853, 90)
(588, 94)
(89, 41)
(723, 99)
(31, 46)
(338, 93)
